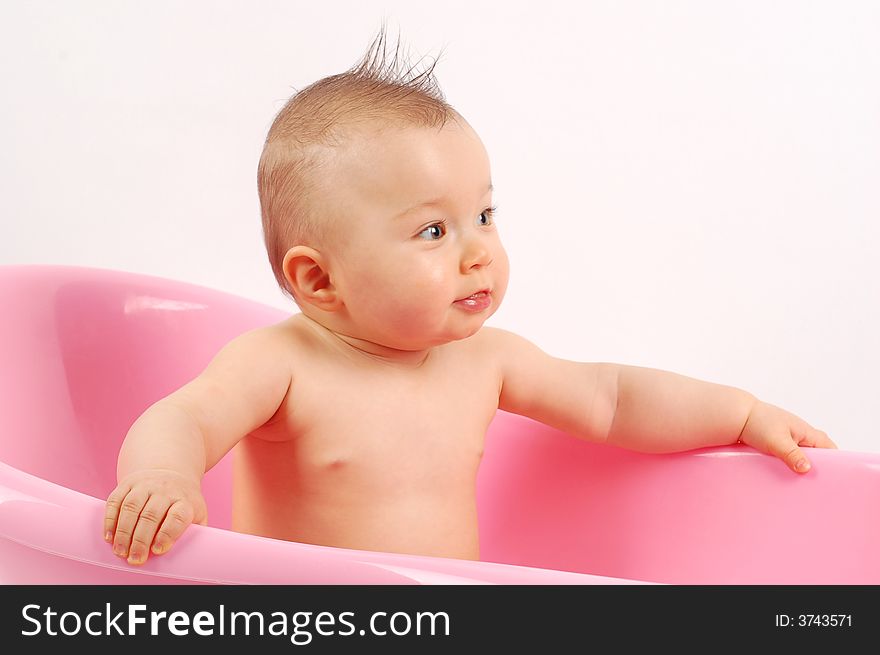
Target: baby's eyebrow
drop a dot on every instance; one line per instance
(432, 203)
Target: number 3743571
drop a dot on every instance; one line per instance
(814, 620)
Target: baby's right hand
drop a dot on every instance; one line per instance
(151, 507)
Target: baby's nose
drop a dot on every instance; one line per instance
(475, 255)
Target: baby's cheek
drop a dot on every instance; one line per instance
(418, 300)
(420, 296)
(417, 281)
(405, 297)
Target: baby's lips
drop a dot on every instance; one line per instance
(479, 292)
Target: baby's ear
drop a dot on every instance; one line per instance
(307, 276)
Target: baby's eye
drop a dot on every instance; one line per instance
(433, 232)
(486, 217)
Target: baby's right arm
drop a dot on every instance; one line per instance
(170, 446)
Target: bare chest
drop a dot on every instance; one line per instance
(381, 432)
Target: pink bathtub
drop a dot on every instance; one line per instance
(84, 351)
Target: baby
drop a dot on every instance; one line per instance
(359, 422)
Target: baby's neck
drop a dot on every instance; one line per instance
(369, 351)
(384, 354)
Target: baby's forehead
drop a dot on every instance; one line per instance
(421, 160)
(391, 176)
(371, 129)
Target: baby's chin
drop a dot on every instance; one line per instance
(419, 334)
(424, 340)
(469, 328)
(448, 336)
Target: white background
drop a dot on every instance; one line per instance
(685, 185)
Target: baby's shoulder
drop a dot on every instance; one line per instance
(287, 337)
(269, 345)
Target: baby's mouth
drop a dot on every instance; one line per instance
(482, 293)
(476, 301)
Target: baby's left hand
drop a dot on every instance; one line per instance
(774, 431)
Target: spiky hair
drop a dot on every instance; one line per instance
(379, 91)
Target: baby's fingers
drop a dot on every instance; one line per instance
(112, 510)
(816, 439)
(129, 511)
(788, 451)
(178, 518)
(148, 523)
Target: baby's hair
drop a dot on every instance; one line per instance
(374, 94)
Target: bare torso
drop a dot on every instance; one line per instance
(366, 455)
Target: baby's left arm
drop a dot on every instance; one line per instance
(643, 409)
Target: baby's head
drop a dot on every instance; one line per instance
(377, 208)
